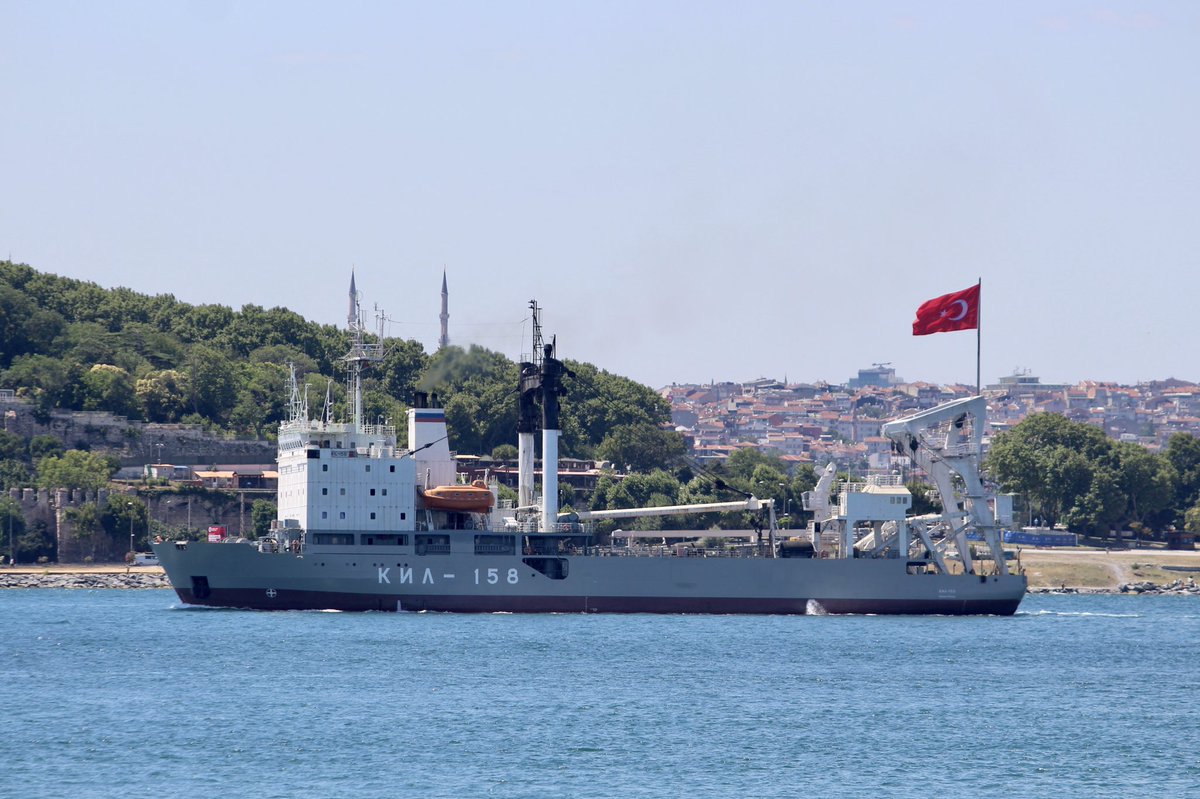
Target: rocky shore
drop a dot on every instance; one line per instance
(1176, 588)
(88, 580)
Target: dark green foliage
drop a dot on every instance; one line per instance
(505, 452)
(70, 344)
(14, 474)
(262, 513)
(641, 447)
(44, 446)
(1072, 473)
(924, 498)
(123, 513)
(75, 469)
(12, 446)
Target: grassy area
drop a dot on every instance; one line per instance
(1055, 574)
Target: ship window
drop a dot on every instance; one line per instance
(324, 467)
(324, 514)
(342, 515)
(385, 492)
(495, 545)
(342, 492)
(372, 514)
(334, 539)
(401, 512)
(433, 544)
(392, 468)
(324, 492)
(386, 540)
(372, 492)
(368, 467)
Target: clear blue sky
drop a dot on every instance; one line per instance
(691, 190)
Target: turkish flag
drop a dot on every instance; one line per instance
(956, 311)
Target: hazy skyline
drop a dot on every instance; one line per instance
(691, 191)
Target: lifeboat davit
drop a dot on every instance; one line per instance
(475, 498)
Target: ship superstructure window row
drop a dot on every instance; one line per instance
(334, 539)
(385, 540)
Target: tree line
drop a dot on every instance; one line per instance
(73, 345)
(1072, 473)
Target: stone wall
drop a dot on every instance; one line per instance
(135, 442)
(171, 515)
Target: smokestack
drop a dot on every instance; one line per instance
(552, 374)
(527, 425)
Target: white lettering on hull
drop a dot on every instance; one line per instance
(383, 576)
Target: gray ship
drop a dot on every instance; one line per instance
(366, 525)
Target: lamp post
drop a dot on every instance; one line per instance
(130, 506)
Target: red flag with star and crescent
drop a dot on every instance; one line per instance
(956, 311)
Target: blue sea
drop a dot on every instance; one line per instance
(128, 693)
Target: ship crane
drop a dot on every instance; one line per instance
(946, 442)
(752, 504)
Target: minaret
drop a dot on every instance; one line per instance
(352, 318)
(445, 316)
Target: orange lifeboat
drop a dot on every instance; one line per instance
(475, 498)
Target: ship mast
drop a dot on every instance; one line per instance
(361, 355)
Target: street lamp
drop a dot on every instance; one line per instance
(130, 506)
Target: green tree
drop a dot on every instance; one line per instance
(1148, 482)
(402, 367)
(1052, 462)
(744, 461)
(924, 498)
(1191, 519)
(260, 398)
(14, 474)
(163, 395)
(505, 452)
(642, 447)
(262, 513)
(124, 517)
(1099, 509)
(212, 381)
(109, 388)
(49, 382)
(12, 446)
(75, 469)
(1183, 453)
(43, 446)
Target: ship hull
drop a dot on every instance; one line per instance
(238, 576)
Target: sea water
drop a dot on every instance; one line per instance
(129, 693)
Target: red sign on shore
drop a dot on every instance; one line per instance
(216, 534)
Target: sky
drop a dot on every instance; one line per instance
(692, 191)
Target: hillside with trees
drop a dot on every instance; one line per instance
(71, 344)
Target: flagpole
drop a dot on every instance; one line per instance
(979, 338)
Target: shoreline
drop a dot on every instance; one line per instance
(1129, 572)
